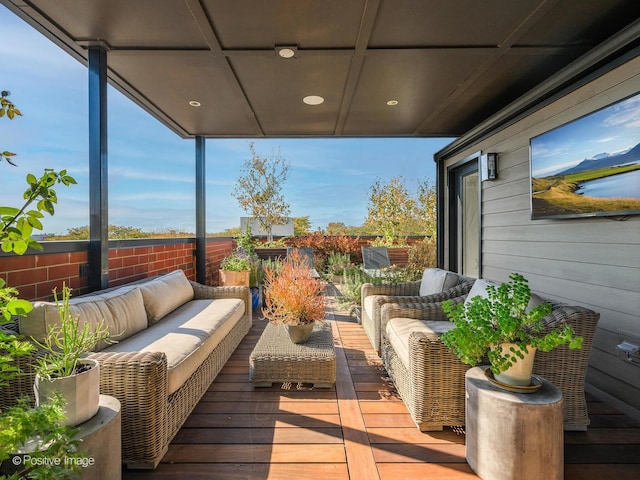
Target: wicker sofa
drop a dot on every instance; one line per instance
(174, 336)
(436, 285)
(430, 378)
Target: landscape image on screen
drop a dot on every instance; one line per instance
(590, 166)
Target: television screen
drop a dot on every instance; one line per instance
(589, 167)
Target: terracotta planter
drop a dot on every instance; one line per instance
(519, 374)
(81, 392)
(230, 278)
(300, 333)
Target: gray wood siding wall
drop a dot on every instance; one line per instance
(593, 262)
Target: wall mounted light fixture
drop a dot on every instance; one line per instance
(488, 166)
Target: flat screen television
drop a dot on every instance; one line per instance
(590, 166)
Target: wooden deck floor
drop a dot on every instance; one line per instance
(358, 430)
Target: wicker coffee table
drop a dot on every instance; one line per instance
(276, 359)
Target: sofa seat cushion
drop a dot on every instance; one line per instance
(187, 336)
(436, 280)
(164, 294)
(399, 329)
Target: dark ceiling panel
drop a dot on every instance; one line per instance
(275, 88)
(171, 80)
(414, 23)
(419, 81)
(451, 64)
(126, 23)
(581, 22)
(307, 23)
(510, 78)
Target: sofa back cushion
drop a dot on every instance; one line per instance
(164, 294)
(45, 316)
(436, 280)
(121, 312)
(127, 311)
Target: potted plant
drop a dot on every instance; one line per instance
(64, 369)
(294, 298)
(503, 328)
(235, 268)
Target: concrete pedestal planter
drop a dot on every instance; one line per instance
(80, 391)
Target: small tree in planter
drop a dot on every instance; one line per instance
(503, 328)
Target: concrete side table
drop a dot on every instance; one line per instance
(513, 436)
(101, 442)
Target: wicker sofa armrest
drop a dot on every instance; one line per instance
(139, 380)
(204, 292)
(399, 289)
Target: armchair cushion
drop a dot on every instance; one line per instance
(398, 331)
(480, 289)
(436, 280)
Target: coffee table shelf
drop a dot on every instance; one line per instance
(276, 359)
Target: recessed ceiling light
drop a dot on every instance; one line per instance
(392, 103)
(286, 52)
(194, 103)
(313, 100)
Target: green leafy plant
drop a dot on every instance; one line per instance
(20, 422)
(237, 261)
(338, 262)
(53, 450)
(351, 288)
(69, 341)
(293, 295)
(483, 324)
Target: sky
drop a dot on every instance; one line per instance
(610, 130)
(152, 170)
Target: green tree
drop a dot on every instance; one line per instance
(391, 209)
(259, 189)
(426, 208)
(301, 225)
(395, 212)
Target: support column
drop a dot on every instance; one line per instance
(98, 170)
(201, 221)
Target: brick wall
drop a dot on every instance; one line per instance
(35, 276)
(217, 249)
(129, 264)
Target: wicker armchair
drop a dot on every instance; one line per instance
(432, 384)
(404, 293)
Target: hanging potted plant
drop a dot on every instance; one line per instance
(234, 269)
(64, 369)
(294, 298)
(502, 328)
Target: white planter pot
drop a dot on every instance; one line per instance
(519, 374)
(81, 392)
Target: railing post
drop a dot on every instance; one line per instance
(98, 170)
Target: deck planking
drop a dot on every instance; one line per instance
(357, 430)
